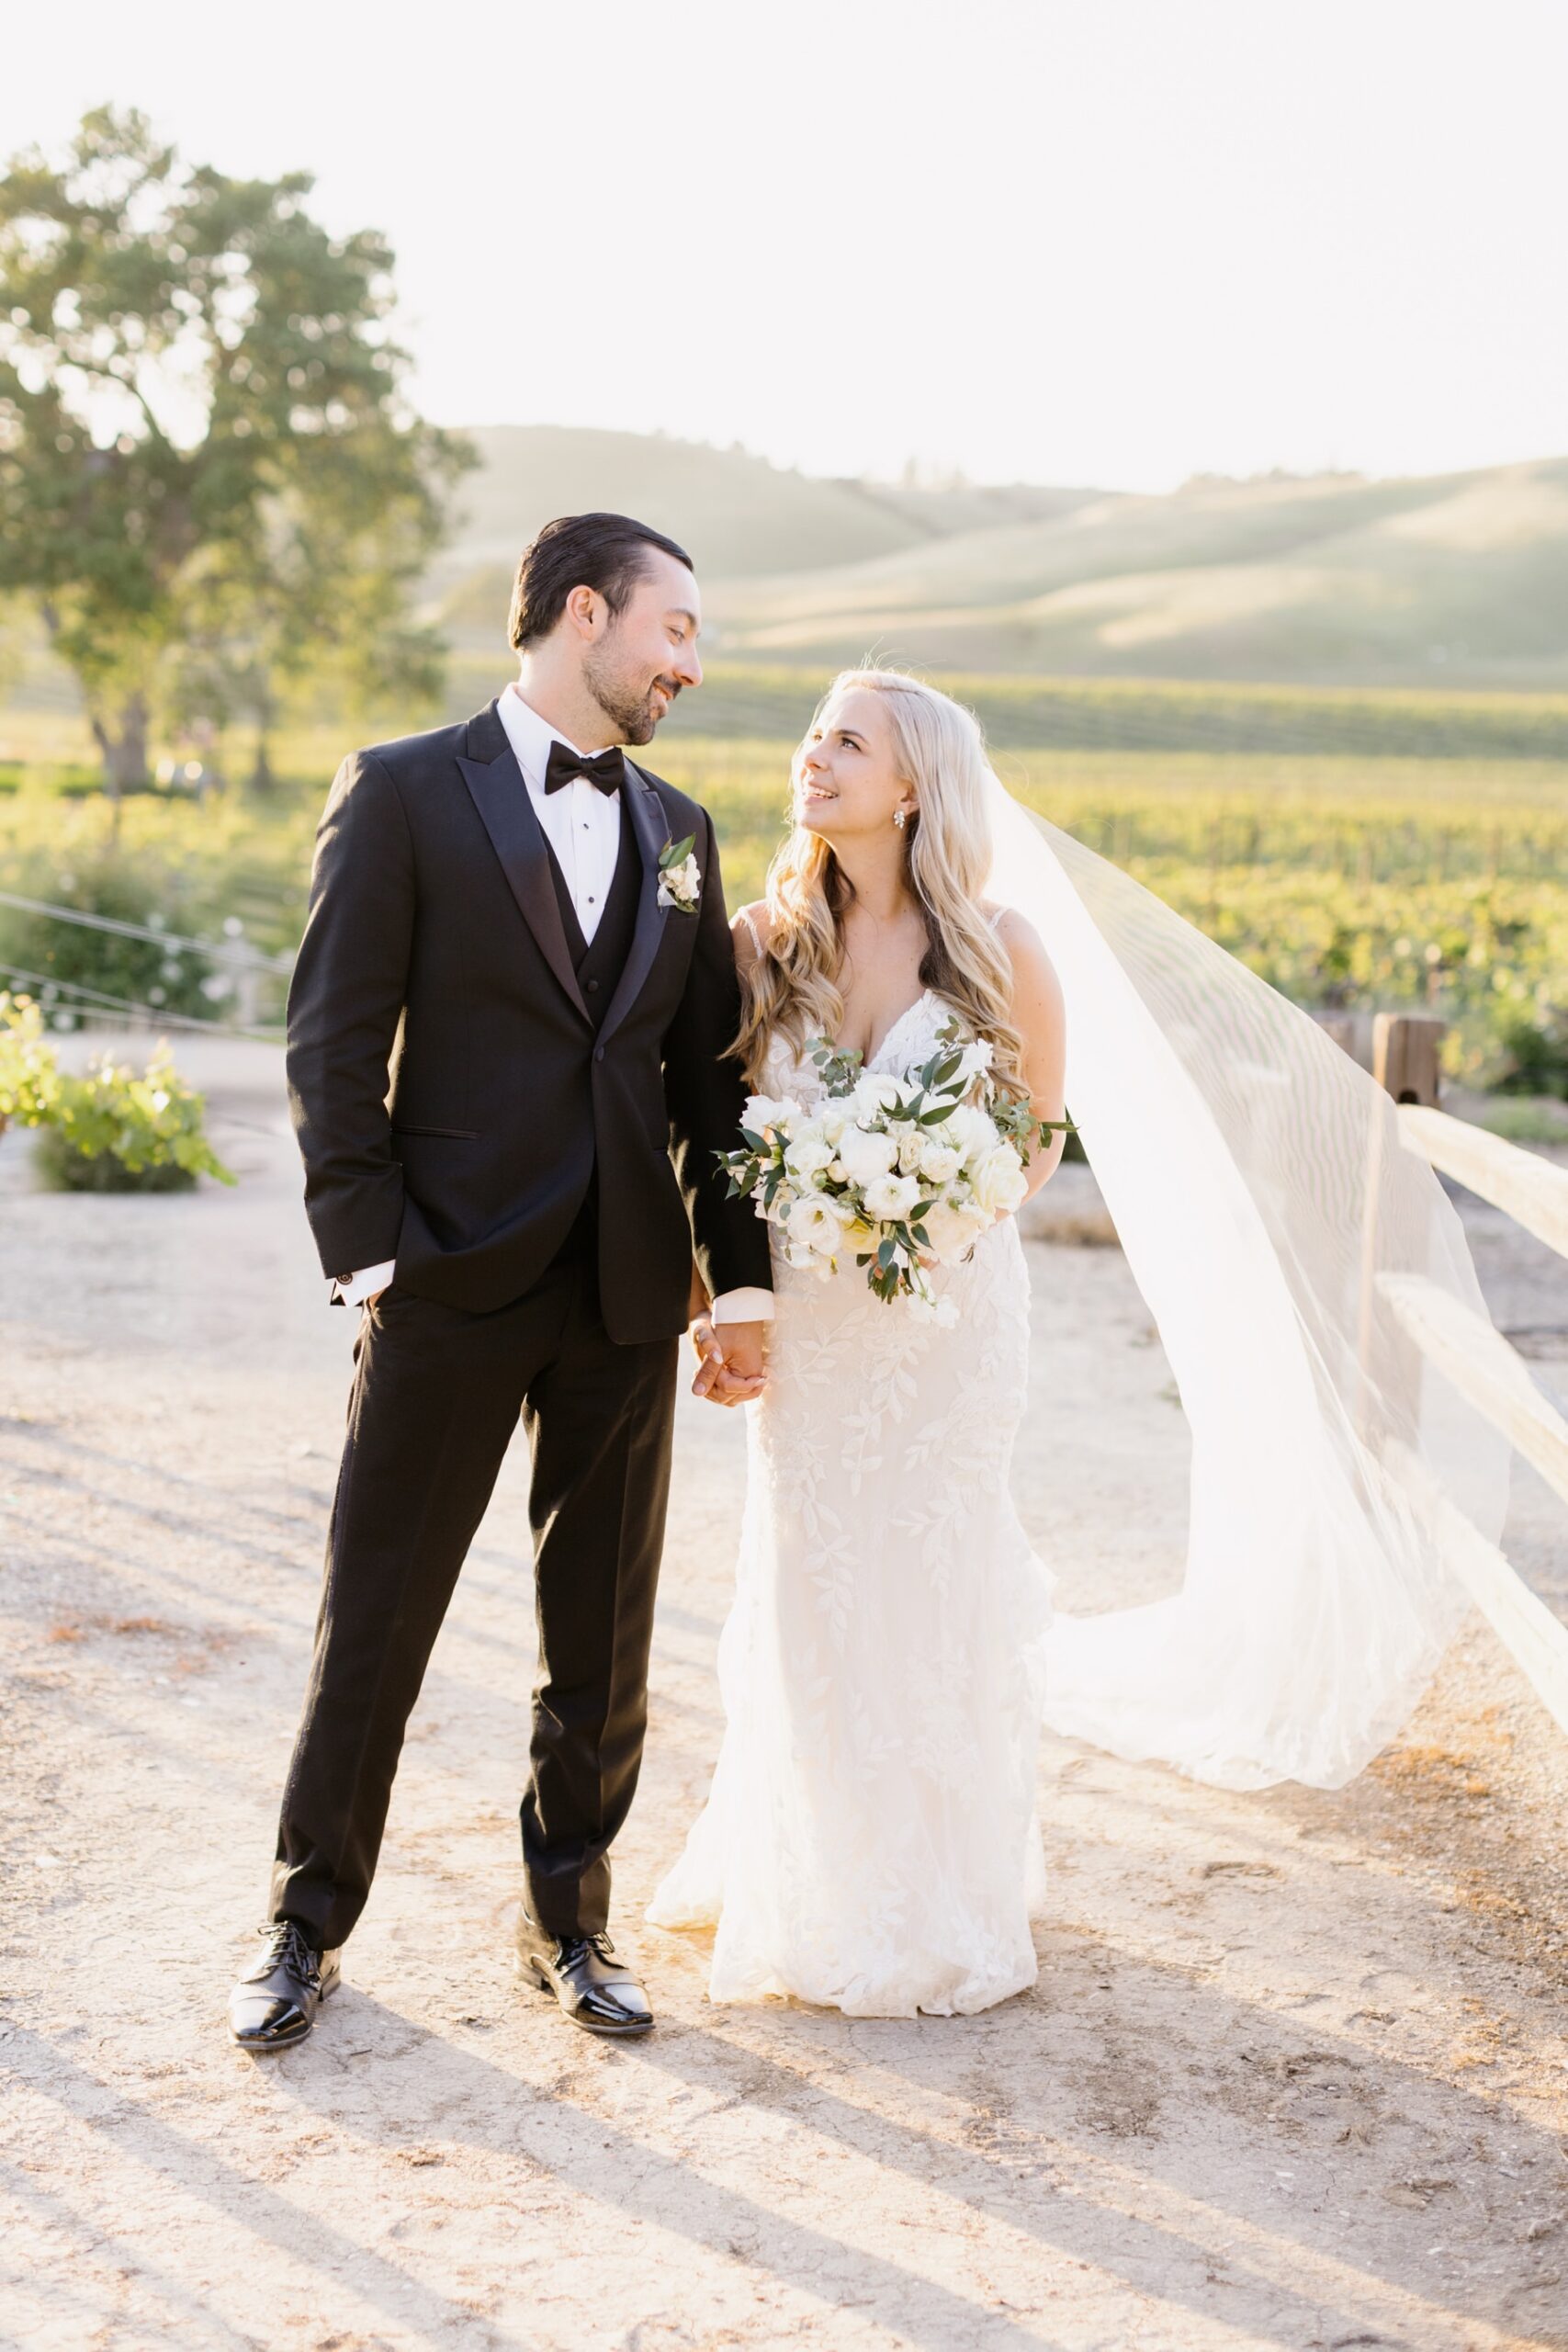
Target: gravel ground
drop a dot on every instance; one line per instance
(1293, 2075)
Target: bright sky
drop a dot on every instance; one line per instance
(1070, 241)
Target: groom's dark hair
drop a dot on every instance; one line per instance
(607, 552)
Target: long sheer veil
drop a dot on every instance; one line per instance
(1257, 1184)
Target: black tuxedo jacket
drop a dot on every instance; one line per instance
(435, 951)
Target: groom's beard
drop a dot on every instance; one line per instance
(631, 710)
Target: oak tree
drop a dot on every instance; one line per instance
(210, 476)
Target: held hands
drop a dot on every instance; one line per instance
(731, 1360)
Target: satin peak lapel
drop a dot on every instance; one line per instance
(646, 810)
(501, 798)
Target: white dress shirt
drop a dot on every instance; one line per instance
(583, 826)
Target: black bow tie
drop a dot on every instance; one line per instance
(606, 769)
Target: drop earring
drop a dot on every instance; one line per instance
(898, 819)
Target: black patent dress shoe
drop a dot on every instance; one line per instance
(597, 1991)
(275, 2003)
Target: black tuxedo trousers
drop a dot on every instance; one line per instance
(437, 1393)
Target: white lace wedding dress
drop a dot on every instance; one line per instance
(871, 1840)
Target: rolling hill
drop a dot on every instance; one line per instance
(742, 519)
(1456, 580)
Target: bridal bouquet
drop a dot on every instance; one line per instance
(897, 1172)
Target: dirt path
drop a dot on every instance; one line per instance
(1293, 2075)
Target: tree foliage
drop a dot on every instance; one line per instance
(210, 479)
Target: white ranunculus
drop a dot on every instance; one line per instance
(953, 1232)
(813, 1226)
(889, 1197)
(998, 1182)
(865, 1154)
(938, 1161)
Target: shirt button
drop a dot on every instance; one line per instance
(591, 900)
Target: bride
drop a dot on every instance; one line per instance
(871, 1839)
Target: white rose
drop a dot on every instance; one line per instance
(807, 1155)
(951, 1232)
(977, 1060)
(833, 1117)
(970, 1133)
(999, 1181)
(890, 1197)
(874, 1094)
(815, 1223)
(938, 1161)
(864, 1155)
(910, 1140)
(765, 1111)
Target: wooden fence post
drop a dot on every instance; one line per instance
(1405, 1064)
(1405, 1047)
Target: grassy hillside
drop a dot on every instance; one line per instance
(741, 518)
(1455, 580)
(1461, 579)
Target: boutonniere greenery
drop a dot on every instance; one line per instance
(680, 878)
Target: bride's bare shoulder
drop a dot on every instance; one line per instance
(750, 932)
(1036, 991)
(1015, 931)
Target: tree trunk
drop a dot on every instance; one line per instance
(125, 754)
(262, 777)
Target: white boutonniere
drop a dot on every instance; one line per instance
(680, 876)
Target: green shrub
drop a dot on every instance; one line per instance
(29, 1079)
(59, 1167)
(1536, 1056)
(109, 1131)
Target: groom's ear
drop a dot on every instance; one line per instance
(585, 612)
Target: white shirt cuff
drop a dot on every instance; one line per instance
(358, 1287)
(743, 1307)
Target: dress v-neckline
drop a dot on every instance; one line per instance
(892, 1028)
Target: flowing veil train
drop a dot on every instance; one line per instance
(1262, 1194)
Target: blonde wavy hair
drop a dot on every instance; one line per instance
(791, 988)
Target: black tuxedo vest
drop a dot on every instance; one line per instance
(599, 963)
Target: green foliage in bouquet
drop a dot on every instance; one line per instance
(109, 1131)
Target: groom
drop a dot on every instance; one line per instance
(501, 927)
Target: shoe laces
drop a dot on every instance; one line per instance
(287, 1946)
